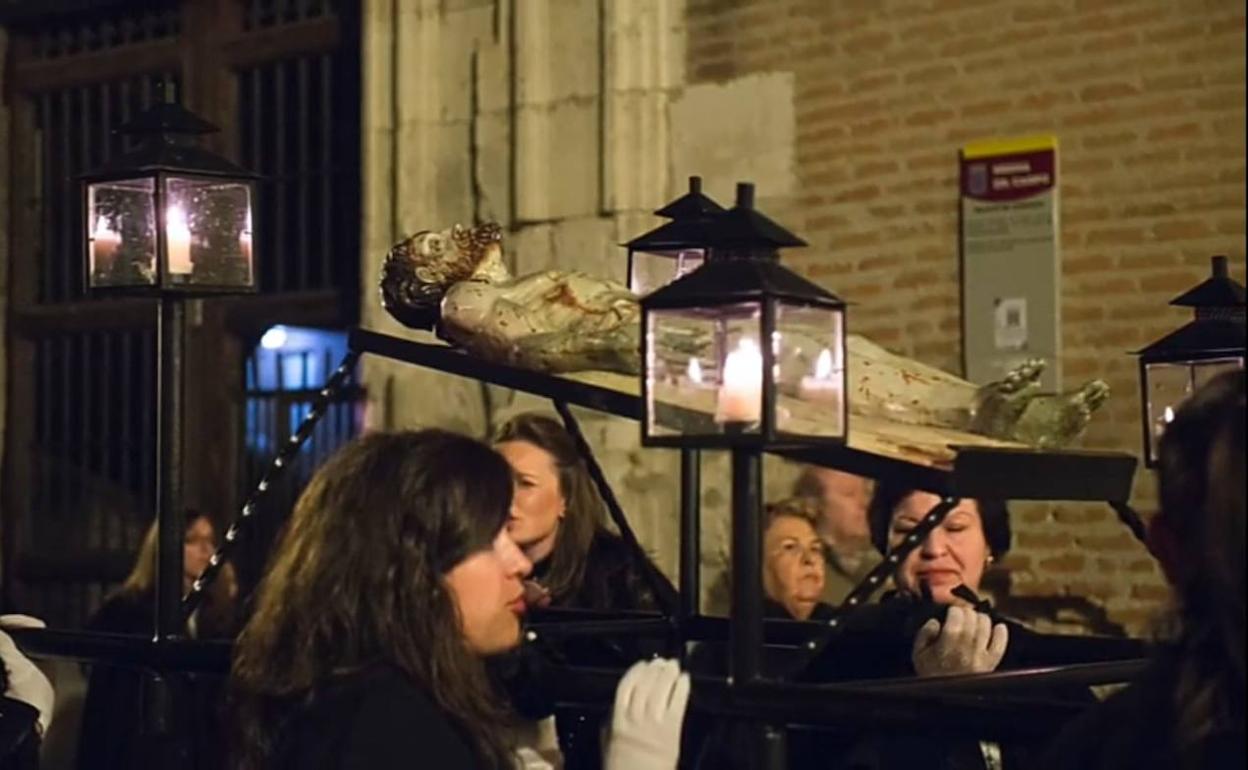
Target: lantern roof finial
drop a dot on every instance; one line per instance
(160, 127)
(1218, 327)
(692, 205)
(1219, 290)
(743, 229)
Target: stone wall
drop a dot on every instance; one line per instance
(1147, 100)
(568, 120)
(550, 118)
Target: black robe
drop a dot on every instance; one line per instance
(617, 578)
(1133, 730)
(373, 719)
(114, 735)
(19, 738)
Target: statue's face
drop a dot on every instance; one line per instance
(459, 253)
(430, 246)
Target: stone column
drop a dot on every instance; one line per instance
(550, 118)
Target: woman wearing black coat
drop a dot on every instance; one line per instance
(114, 733)
(559, 521)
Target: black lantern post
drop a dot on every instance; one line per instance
(746, 355)
(674, 248)
(1175, 365)
(172, 221)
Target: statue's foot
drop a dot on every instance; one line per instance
(1000, 404)
(1057, 420)
(1025, 375)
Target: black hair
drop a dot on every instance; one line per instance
(994, 514)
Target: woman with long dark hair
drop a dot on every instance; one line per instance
(1187, 710)
(394, 578)
(560, 522)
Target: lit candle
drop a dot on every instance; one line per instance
(244, 239)
(741, 395)
(1167, 417)
(822, 388)
(178, 240)
(104, 245)
(694, 371)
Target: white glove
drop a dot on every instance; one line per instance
(538, 746)
(649, 709)
(528, 759)
(26, 682)
(967, 643)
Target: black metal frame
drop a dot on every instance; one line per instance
(171, 333)
(907, 703)
(976, 472)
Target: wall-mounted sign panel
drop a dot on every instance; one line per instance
(1011, 270)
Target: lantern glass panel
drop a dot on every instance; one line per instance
(1169, 384)
(121, 236)
(650, 270)
(809, 348)
(1203, 371)
(208, 231)
(704, 371)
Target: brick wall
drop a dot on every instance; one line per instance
(1147, 101)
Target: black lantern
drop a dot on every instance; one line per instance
(169, 216)
(1175, 365)
(674, 248)
(743, 352)
(173, 221)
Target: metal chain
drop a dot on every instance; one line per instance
(192, 599)
(860, 593)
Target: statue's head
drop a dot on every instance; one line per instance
(418, 270)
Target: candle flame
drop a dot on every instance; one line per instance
(102, 230)
(175, 221)
(823, 365)
(694, 371)
(1168, 415)
(745, 364)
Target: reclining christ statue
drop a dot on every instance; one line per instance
(560, 321)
